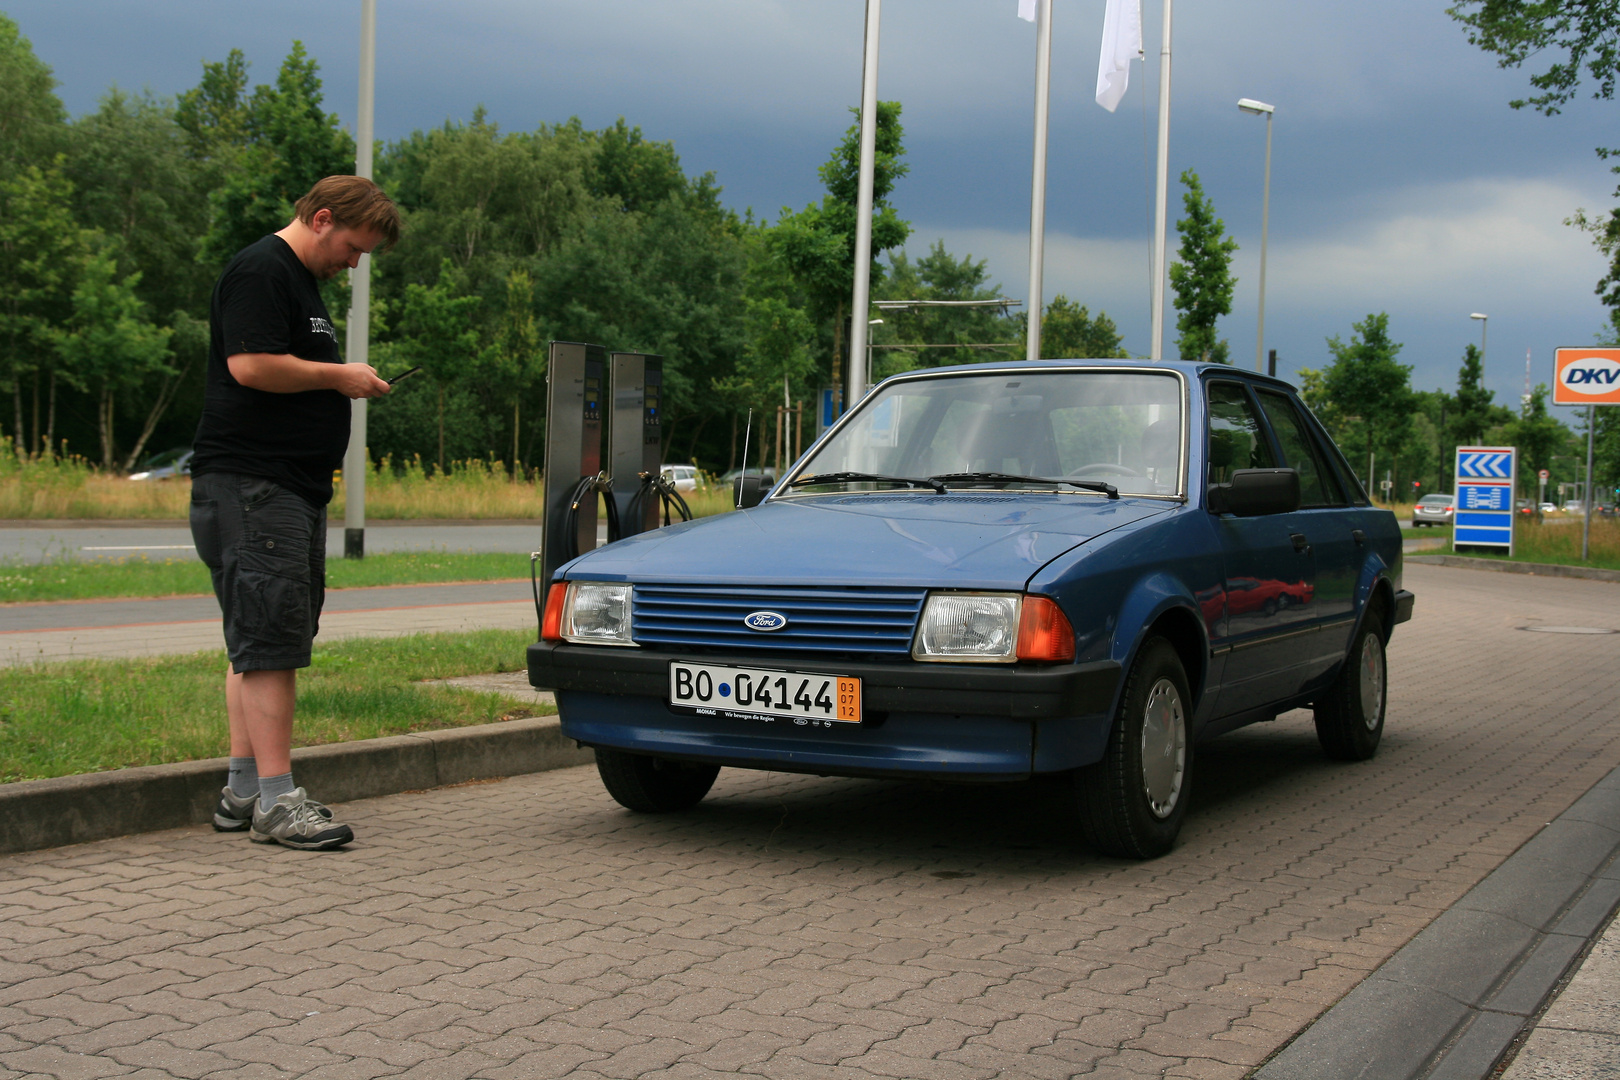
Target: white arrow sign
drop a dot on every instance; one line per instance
(1486, 466)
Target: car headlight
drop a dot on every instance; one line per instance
(595, 613)
(968, 627)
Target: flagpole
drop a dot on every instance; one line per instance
(1037, 201)
(356, 458)
(861, 301)
(1161, 193)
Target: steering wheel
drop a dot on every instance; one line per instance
(1101, 468)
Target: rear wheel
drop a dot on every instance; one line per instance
(1132, 801)
(1350, 715)
(653, 785)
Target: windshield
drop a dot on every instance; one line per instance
(1120, 428)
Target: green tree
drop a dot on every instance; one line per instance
(108, 343)
(439, 333)
(1202, 280)
(519, 357)
(817, 244)
(940, 276)
(32, 120)
(1538, 437)
(1471, 409)
(291, 142)
(39, 244)
(1582, 35)
(1367, 393)
(1069, 330)
(136, 184)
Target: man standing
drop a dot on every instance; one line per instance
(275, 425)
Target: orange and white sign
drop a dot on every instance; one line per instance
(1586, 377)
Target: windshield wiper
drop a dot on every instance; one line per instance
(1011, 478)
(843, 477)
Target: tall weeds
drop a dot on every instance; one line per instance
(69, 488)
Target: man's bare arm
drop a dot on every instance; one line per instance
(281, 374)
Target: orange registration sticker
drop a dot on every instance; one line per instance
(849, 700)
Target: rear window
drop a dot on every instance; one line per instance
(1435, 500)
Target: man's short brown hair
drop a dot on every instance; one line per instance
(355, 203)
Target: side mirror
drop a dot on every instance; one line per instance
(1255, 492)
(749, 491)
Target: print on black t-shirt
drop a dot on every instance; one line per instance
(266, 301)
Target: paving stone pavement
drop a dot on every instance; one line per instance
(806, 927)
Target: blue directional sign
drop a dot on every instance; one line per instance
(1485, 484)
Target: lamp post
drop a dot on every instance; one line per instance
(1484, 325)
(1258, 108)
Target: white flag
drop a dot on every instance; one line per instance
(1121, 43)
(1026, 10)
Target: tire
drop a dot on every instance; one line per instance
(1350, 715)
(653, 785)
(1132, 802)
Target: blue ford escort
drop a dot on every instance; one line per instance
(994, 572)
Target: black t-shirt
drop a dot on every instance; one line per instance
(267, 301)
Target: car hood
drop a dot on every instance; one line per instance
(960, 540)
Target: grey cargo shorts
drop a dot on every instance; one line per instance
(266, 550)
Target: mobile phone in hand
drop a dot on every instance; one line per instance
(403, 375)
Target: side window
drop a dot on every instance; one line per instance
(1236, 439)
(1316, 482)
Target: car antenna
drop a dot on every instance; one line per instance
(748, 429)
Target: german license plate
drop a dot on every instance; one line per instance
(764, 694)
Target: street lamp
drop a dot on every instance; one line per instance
(1249, 105)
(1484, 325)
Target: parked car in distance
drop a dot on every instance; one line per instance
(1433, 510)
(165, 466)
(1547, 508)
(684, 477)
(1078, 569)
(1523, 506)
(1574, 506)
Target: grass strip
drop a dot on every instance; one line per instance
(68, 717)
(137, 575)
(1559, 544)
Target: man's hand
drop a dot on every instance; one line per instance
(280, 374)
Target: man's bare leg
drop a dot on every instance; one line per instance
(267, 699)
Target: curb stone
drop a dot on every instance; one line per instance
(95, 806)
(1591, 573)
(1449, 1004)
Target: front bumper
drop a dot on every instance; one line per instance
(963, 720)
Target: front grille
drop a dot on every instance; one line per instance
(843, 619)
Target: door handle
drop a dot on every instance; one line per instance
(1358, 536)
(1300, 543)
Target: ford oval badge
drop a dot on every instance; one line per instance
(765, 620)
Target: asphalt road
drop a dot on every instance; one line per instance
(29, 543)
(796, 926)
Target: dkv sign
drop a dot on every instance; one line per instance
(1586, 377)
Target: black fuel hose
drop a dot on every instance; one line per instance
(663, 489)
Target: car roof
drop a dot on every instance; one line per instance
(1192, 369)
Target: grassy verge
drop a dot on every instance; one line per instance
(69, 488)
(1560, 544)
(139, 576)
(60, 719)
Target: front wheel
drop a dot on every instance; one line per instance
(653, 785)
(1350, 715)
(1132, 801)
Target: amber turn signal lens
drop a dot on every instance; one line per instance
(551, 624)
(1044, 633)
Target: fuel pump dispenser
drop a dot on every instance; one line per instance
(576, 377)
(635, 438)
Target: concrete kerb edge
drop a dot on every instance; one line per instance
(1411, 1018)
(96, 806)
(1590, 573)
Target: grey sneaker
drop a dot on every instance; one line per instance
(234, 812)
(297, 821)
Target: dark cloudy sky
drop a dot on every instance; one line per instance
(1401, 181)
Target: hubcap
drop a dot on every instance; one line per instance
(1164, 748)
(1372, 681)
